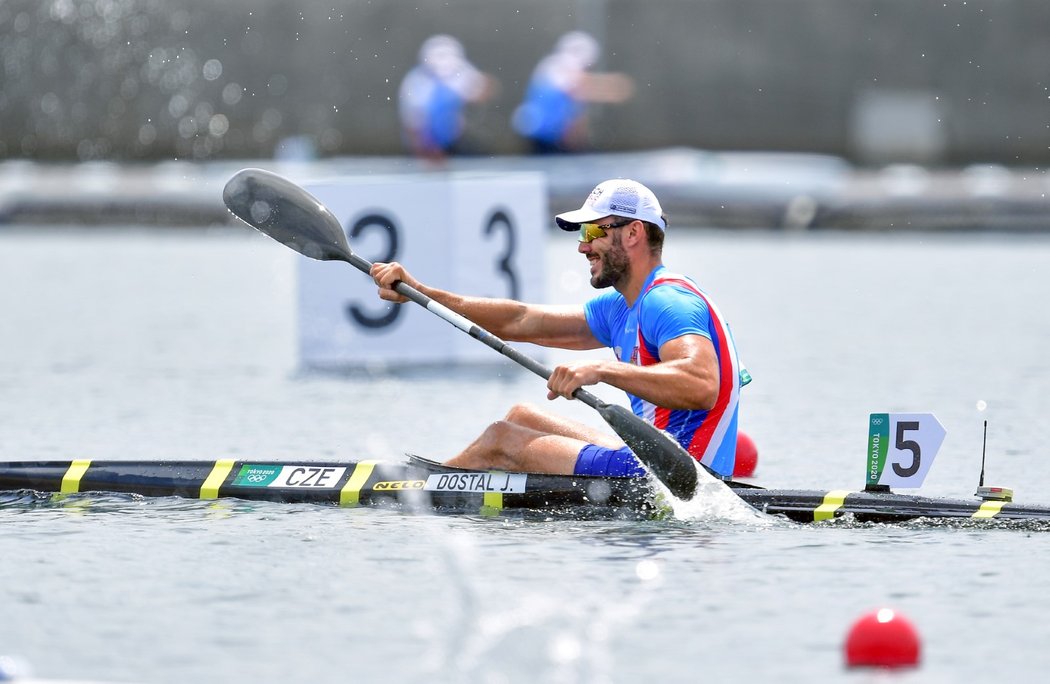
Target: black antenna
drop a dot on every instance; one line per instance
(1004, 494)
(984, 445)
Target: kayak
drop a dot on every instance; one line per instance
(421, 485)
(418, 485)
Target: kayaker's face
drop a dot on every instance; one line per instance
(608, 260)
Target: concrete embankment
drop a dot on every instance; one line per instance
(698, 188)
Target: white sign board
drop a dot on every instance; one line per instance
(901, 448)
(475, 234)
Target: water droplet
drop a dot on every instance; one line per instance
(647, 570)
(259, 211)
(212, 69)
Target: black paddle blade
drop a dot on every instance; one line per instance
(287, 213)
(665, 457)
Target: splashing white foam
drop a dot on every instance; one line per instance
(715, 501)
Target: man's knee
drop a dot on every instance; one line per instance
(527, 415)
(497, 433)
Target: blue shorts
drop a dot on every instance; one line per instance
(597, 460)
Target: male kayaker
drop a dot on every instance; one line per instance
(675, 355)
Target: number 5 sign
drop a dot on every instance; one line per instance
(901, 448)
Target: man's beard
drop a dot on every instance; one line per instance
(616, 267)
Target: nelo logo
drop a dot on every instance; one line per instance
(397, 485)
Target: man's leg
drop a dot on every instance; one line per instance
(528, 415)
(530, 440)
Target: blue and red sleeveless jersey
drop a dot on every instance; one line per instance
(670, 306)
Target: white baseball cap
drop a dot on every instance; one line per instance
(617, 197)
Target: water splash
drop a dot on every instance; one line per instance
(715, 501)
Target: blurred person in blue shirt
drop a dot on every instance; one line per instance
(433, 95)
(553, 115)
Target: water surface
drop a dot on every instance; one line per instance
(153, 345)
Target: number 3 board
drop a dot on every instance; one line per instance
(477, 234)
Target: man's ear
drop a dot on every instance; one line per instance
(637, 232)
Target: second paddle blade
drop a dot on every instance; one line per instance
(665, 458)
(287, 213)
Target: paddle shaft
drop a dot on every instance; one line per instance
(476, 331)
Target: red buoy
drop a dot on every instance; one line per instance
(882, 638)
(746, 456)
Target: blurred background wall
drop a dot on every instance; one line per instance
(876, 81)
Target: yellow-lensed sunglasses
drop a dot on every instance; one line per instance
(593, 231)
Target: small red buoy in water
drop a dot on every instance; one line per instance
(882, 638)
(746, 456)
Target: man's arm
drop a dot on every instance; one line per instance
(687, 376)
(552, 326)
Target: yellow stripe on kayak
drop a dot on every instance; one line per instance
(833, 501)
(989, 509)
(492, 503)
(71, 480)
(210, 488)
(350, 494)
